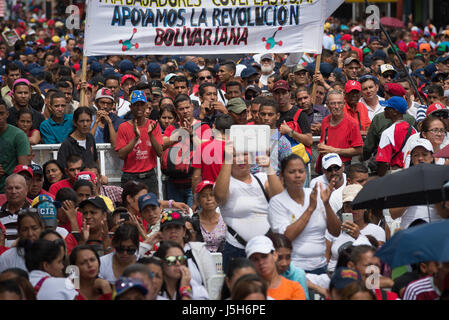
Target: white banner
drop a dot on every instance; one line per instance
(168, 27)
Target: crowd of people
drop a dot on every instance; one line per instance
(282, 224)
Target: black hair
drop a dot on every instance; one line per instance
(126, 231)
(248, 284)
(12, 286)
(358, 251)
(131, 188)
(11, 67)
(434, 88)
(62, 84)
(203, 87)
(90, 165)
(165, 246)
(137, 268)
(180, 79)
(32, 213)
(235, 264)
(280, 241)
(73, 158)
(77, 249)
(79, 111)
(83, 183)
(151, 260)
(287, 159)
(223, 122)
(3, 103)
(56, 95)
(36, 102)
(64, 194)
(181, 98)
(39, 252)
(47, 184)
(234, 84)
(268, 102)
(344, 255)
(356, 168)
(25, 111)
(230, 65)
(111, 77)
(50, 231)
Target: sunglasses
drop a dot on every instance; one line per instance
(333, 168)
(129, 251)
(204, 78)
(388, 75)
(171, 260)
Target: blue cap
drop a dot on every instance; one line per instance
(374, 38)
(91, 59)
(31, 66)
(380, 54)
(153, 67)
(326, 69)
(35, 72)
(96, 67)
(28, 50)
(44, 86)
(123, 284)
(110, 72)
(430, 69)
(126, 65)
(248, 72)
(146, 200)
(138, 95)
(344, 276)
(442, 59)
(191, 67)
(397, 103)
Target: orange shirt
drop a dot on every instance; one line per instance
(287, 290)
(360, 115)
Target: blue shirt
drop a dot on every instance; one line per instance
(295, 274)
(53, 132)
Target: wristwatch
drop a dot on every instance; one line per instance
(290, 134)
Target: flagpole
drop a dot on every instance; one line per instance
(317, 69)
(83, 102)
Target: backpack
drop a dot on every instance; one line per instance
(298, 148)
(181, 167)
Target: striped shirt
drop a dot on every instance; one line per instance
(422, 289)
(9, 220)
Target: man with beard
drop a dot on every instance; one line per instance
(266, 69)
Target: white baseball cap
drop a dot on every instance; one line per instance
(259, 244)
(421, 142)
(331, 159)
(351, 191)
(387, 67)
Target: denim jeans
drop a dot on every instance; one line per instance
(318, 271)
(230, 252)
(179, 193)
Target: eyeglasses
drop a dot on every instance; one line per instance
(171, 260)
(204, 78)
(388, 75)
(437, 131)
(129, 251)
(333, 168)
(441, 114)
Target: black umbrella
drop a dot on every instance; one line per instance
(417, 185)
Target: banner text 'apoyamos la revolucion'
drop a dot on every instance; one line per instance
(136, 27)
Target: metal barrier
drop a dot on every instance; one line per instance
(110, 163)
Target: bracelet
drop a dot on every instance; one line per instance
(185, 291)
(170, 204)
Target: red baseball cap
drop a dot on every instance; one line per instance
(346, 37)
(415, 35)
(435, 107)
(203, 184)
(395, 89)
(21, 168)
(352, 85)
(412, 44)
(86, 175)
(126, 77)
(281, 84)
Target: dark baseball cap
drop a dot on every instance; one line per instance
(37, 169)
(281, 84)
(95, 201)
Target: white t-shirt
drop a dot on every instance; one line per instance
(106, 270)
(82, 143)
(309, 247)
(413, 109)
(53, 288)
(336, 200)
(12, 259)
(419, 212)
(122, 107)
(372, 112)
(246, 209)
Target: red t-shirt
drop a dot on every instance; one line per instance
(360, 115)
(59, 185)
(212, 158)
(391, 140)
(79, 220)
(70, 243)
(142, 157)
(3, 249)
(203, 132)
(344, 135)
